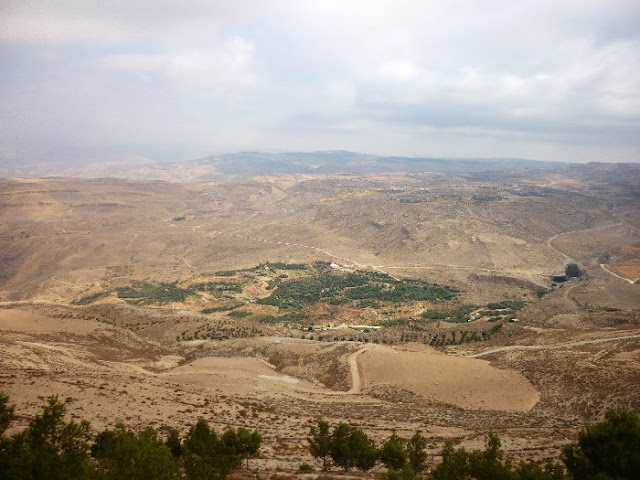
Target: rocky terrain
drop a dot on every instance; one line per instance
(83, 313)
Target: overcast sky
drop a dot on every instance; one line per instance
(174, 80)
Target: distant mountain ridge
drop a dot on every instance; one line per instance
(249, 164)
(340, 161)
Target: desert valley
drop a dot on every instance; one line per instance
(431, 299)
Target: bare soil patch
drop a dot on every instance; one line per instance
(440, 378)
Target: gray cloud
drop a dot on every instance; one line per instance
(539, 79)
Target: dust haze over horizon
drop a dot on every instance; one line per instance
(169, 81)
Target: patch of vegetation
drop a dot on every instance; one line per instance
(266, 318)
(489, 463)
(216, 288)
(572, 270)
(220, 330)
(223, 308)
(498, 310)
(375, 276)
(368, 304)
(52, 447)
(514, 304)
(281, 266)
(225, 273)
(495, 306)
(238, 314)
(483, 198)
(298, 293)
(394, 322)
(400, 291)
(305, 468)
(292, 317)
(607, 450)
(88, 299)
(338, 301)
(179, 219)
(262, 268)
(321, 265)
(143, 293)
(459, 315)
(366, 288)
(453, 337)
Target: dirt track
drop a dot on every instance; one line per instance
(552, 347)
(356, 384)
(631, 281)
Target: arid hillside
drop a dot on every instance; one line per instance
(61, 237)
(394, 301)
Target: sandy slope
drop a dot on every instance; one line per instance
(465, 383)
(32, 341)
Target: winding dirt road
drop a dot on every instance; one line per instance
(555, 346)
(631, 281)
(356, 382)
(568, 259)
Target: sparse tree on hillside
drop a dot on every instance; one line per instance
(206, 455)
(320, 442)
(364, 452)
(248, 443)
(454, 465)
(48, 448)
(340, 448)
(417, 452)
(406, 473)
(607, 450)
(393, 454)
(487, 464)
(121, 453)
(6, 413)
(6, 444)
(174, 443)
(573, 270)
(533, 471)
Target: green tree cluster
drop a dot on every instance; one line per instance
(121, 453)
(351, 447)
(607, 450)
(48, 448)
(573, 270)
(51, 448)
(144, 293)
(488, 464)
(326, 285)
